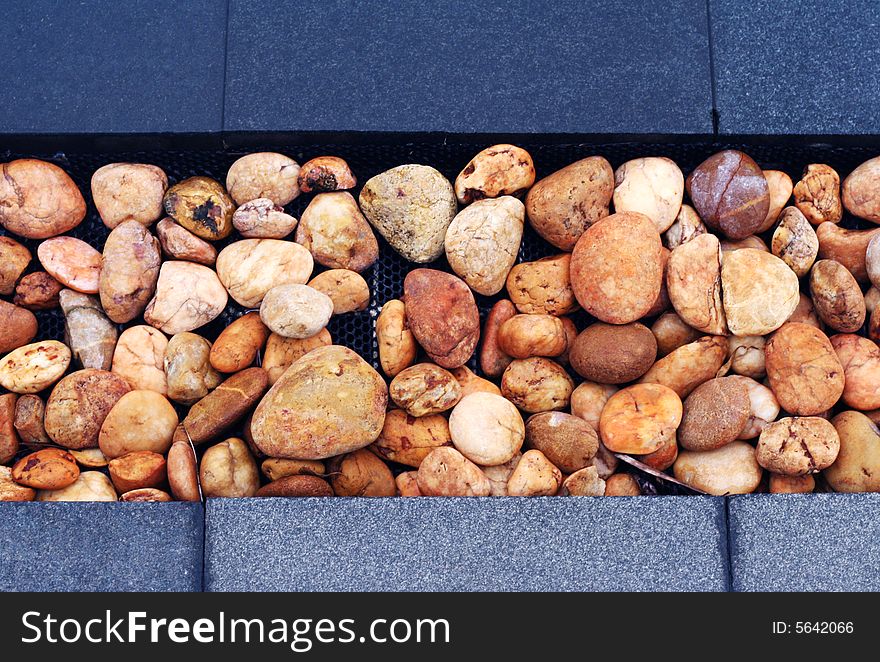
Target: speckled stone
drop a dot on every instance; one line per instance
(101, 546)
(500, 544)
(766, 55)
(399, 66)
(800, 542)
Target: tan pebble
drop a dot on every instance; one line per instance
(408, 439)
(250, 268)
(690, 365)
(34, 367)
(537, 384)
(202, 206)
(79, 404)
(493, 360)
(780, 186)
(138, 470)
(129, 271)
(335, 232)
(797, 446)
(759, 290)
(424, 389)
(38, 199)
(361, 474)
(47, 469)
(585, 482)
(564, 204)
(446, 472)
(731, 469)
(622, 485)
(263, 219)
(228, 470)
(139, 421)
(263, 175)
(37, 291)
(534, 475)
(651, 185)
(129, 192)
(804, 372)
(90, 486)
(487, 429)
(616, 268)
(482, 242)
(347, 290)
(795, 241)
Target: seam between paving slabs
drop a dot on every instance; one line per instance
(204, 573)
(726, 548)
(715, 116)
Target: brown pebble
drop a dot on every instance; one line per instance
(223, 407)
(296, 486)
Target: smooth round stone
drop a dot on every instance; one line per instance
(202, 206)
(263, 175)
(14, 259)
(731, 469)
(760, 291)
(129, 192)
(250, 268)
(486, 428)
(181, 244)
(139, 421)
(296, 311)
(188, 371)
(78, 405)
(730, 193)
(140, 357)
(38, 199)
(617, 268)
(797, 446)
(861, 191)
(335, 232)
(693, 280)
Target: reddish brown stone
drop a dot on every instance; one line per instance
(730, 193)
(442, 315)
(37, 291)
(17, 327)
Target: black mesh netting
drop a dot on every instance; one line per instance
(356, 330)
